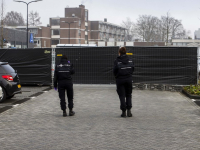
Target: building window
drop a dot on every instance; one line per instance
(37, 42)
(101, 35)
(55, 22)
(79, 23)
(79, 41)
(55, 32)
(44, 43)
(35, 31)
(86, 15)
(86, 37)
(79, 32)
(55, 41)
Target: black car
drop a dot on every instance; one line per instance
(9, 82)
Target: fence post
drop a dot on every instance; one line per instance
(53, 62)
(198, 58)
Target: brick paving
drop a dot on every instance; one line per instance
(27, 93)
(161, 120)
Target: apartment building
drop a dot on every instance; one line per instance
(103, 31)
(71, 29)
(197, 34)
(75, 28)
(185, 42)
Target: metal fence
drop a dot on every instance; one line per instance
(165, 65)
(33, 65)
(155, 67)
(93, 65)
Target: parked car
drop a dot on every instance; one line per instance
(9, 82)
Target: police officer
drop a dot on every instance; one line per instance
(123, 70)
(62, 78)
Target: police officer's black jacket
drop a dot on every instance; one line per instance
(123, 67)
(63, 71)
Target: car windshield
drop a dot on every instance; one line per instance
(8, 68)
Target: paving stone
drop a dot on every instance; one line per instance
(161, 120)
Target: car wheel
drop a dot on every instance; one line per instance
(3, 93)
(9, 97)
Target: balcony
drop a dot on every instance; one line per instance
(110, 31)
(55, 36)
(55, 27)
(122, 32)
(113, 32)
(117, 32)
(103, 30)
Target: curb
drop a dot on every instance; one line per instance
(190, 95)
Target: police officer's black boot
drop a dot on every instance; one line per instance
(64, 113)
(123, 113)
(129, 114)
(71, 112)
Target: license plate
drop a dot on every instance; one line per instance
(19, 86)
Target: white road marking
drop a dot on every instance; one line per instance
(193, 100)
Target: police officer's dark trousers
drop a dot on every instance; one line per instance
(65, 86)
(124, 90)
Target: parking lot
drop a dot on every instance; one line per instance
(162, 120)
(28, 92)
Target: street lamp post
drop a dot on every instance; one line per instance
(27, 15)
(69, 27)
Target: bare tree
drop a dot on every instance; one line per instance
(183, 34)
(151, 28)
(188, 34)
(147, 27)
(176, 26)
(2, 11)
(129, 25)
(14, 19)
(34, 19)
(171, 27)
(166, 26)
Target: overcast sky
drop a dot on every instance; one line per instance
(116, 10)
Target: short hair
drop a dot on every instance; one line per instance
(122, 50)
(64, 57)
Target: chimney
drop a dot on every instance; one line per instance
(82, 6)
(105, 19)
